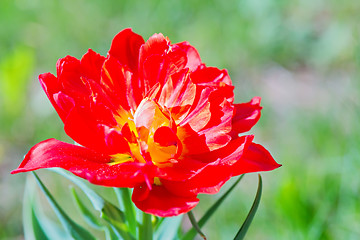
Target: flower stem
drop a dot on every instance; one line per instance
(195, 224)
(124, 197)
(146, 232)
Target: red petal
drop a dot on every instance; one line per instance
(178, 94)
(160, 202)
(51, 86)
(145, 114)
(84, 129)
(209, 181)
(193, 143)
(200, 114)
(91, 64)
(210, 75)
(152, 60)
(165, 136)
(128, 134)
(229, 154)
(157, 44)
(217, 129)
(152, 71)
(210, 178)
(246, 116)
(125, 47)
(176, 59)
(193, 57)
(63, 103)
(116, 81)
(69, 75)
(83, 162)
(255, 159)
(115, 142)
(181, 169)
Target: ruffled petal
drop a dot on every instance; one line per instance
(52, 87)
(180, 169)
(255, 159)
(159, 60)
(117, 81)
(246, 115)
(160, 202)
(210, 76)
(91, 64)
(193, 57)
(213, 175)
(209, 180)
(219, 125)
(151, 60)
(200, 114)
(83, 162)
(69, 76)
(192, 142)
(125, 47)
(178, 91)
(83, 127)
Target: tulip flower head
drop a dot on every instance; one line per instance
(153, 117)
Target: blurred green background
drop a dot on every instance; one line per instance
(302, 57)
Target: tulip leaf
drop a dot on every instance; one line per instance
(88, 216)
(110, 234)
(245, 226)
(97, 201)
(195, 225)
(146, 228)
(109, 212)
(51, 229)
(37, 229)
(168, 228)
(48, 227)
(75, 230)
(192, 232)
(124, 197)
(32, 227)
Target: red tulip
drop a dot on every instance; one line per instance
(150, 116)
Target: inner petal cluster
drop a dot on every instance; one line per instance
(150, 133)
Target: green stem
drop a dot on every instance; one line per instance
(124, 197)
(146, 232)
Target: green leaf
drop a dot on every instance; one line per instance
(192, 232)
(110, 234)
(97, 201)
(195, 224)
(75, 230)
(115, 217)
(88, 216)
(109, 212)
(49, 228)
(146, 229)
(242, 232)
(32, 227)
(124, 197)
(168, 228)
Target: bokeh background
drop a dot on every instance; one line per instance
(302, 57)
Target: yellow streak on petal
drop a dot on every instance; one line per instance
(135, 151)
(120, 158)
(157, 181)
